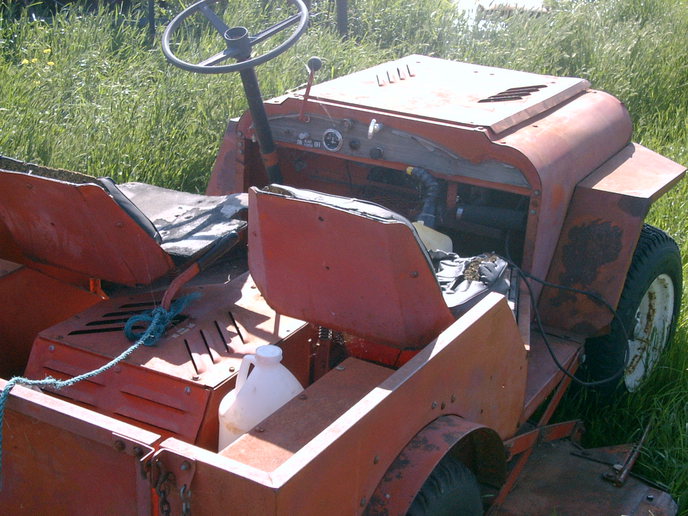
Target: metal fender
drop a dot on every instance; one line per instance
(477, 446)
(601, 229)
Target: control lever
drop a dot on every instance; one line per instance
(221, 247)
(314, 64)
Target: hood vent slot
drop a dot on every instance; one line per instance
(513, 94)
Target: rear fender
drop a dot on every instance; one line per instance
(477, 446)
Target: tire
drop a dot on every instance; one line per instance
(649, 308)
(450, 490)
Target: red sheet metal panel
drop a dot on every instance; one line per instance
(604, 219)
(78, 228)
(71, 460)
(559, 480)
(32, 301)
(344, 271)
(451, 92)
(475, 369)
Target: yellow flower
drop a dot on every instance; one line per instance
(50, 63)
(24, 61)
(34, 60)
(47, 50)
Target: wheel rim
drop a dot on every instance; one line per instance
(651, 330)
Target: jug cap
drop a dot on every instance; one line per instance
(269, 352)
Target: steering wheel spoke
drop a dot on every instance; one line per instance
(271, 31)
(215, 20)
(219, 57)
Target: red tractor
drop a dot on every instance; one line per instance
(434, 246)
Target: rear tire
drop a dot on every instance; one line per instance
(648, 308)
(450, 490)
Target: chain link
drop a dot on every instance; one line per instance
(185, 495)
(162, 488)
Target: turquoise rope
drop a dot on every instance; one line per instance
(157, 319)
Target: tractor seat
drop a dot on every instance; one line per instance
(129, 234)
(349, 265)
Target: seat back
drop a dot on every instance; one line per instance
(78, 227)
(345, 264)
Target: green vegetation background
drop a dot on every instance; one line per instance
(88, 90)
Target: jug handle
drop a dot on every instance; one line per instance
(243, 370)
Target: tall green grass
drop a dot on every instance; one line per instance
(88, 90)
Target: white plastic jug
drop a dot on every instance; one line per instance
(269, 386)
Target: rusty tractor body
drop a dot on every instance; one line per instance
(405, 375)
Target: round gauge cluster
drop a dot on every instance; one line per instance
(332, 140)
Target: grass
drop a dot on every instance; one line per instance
(88, 91)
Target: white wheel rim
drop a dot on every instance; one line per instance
(649, 336)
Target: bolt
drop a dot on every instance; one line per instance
(119, 445)
(434, 404)
(187, 390)
(51, 348)
(260, 429)
(232, 369)
(185, 466)
(195, 378)
(303, 396)
(414, 274)
(650, 498)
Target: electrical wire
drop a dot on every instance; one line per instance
(538, 320)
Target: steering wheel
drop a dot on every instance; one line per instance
(238, 40)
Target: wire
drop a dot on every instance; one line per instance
(526, 276)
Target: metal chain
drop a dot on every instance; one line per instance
(185, 495)
(162, 488)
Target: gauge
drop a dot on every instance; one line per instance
(332, 140)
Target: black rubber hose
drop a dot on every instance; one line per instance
(428, 214)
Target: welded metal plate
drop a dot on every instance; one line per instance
(451, 92)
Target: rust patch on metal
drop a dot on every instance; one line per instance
(590, 246)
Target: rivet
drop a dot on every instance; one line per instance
(119, 224)
(650, 498)
(195, 378)
(414, 274)
(260, 429)
(138, 452)
(443, 405)
(364, 500)
(434, 404)
(119, 445)
(453, 398)
(303, 396)
(340, 368)
(51, 348)
(533, 212)
(187, 390)
(536, 192)
(376, 459)
(232, 369)
(185, 466)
